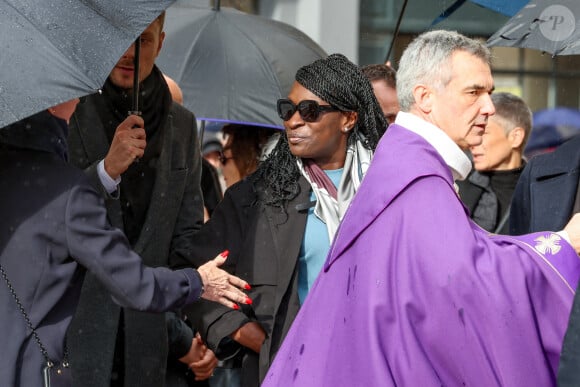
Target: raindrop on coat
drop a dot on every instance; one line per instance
(295, 375)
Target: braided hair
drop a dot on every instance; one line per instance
(341, 83)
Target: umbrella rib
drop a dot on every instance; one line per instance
(190, 49)
(248, 37)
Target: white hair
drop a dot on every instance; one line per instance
(427, 61)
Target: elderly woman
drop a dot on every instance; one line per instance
(279, 222)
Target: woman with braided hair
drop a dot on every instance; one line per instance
(278, 223)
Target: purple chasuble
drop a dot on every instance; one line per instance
(413, 293)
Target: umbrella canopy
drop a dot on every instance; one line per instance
(552, 127)
(232, 66)
(52, 51)
(551, 26)
(507, 8)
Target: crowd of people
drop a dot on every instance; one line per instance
(392, 234)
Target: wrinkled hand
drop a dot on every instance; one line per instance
(573, 230)
(128, 144)
(204, 366)
(250, 335)
(220, 286)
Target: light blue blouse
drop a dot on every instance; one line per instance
(315, 244)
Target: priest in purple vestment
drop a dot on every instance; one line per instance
(413, 293)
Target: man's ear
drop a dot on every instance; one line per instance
(516, 137)
(161, 39)
(423, 98)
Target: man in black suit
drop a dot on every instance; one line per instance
(546, 197)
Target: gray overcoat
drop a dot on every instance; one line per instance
(175, 212)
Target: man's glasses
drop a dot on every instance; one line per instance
(223, 159)
(309, 110)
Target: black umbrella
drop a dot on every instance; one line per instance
(52, 51)
(232, 66)
(551, 26)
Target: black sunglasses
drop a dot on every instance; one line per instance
(309, 110)
(223, 159)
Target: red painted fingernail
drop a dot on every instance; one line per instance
(248, 301)
(224, 253)
(236, 307)
(247, 287)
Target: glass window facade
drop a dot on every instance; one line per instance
(541, 80)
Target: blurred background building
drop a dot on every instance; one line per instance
(363, 31)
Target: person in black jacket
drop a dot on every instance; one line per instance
(278, 222)
(498, 162)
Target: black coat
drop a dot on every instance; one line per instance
(545, 193)
(264, 245)
(544, 200)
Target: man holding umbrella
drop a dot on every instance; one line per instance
(149, 176)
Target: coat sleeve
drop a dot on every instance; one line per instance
(224, 231)
(105, 252)
(521, 206)
(457, 279)
(179, 334)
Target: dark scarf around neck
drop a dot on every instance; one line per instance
(154, 104)
(138, 181)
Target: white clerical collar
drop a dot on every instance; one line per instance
(453, 156)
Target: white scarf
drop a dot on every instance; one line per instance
(328, 209)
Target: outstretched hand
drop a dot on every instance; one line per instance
(573, 230)
(220, 286)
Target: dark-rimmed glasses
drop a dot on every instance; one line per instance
(223, 159)
(309, 110)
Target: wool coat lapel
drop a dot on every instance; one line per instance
(287, 235)
(165, 181)
(554, 183)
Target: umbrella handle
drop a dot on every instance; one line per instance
(136, 67)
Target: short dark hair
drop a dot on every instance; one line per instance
(512, 112)
(381, 72)
(246, 143)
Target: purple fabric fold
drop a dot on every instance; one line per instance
(416, 294)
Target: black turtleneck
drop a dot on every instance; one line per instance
(503, 184)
